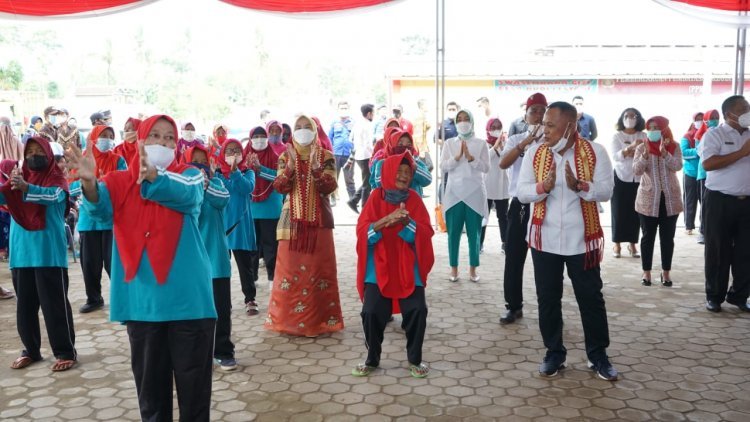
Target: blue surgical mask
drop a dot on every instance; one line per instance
(713, 123)
(654, 135)
(274, 139)
(104, 144)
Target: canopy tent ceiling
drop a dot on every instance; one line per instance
(83, 8)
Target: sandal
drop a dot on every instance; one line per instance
(645, 282)
(453, 278)
(363, 370)
(22, 362)
(63, 365)
(633, 252)
(474, 278)
(6, 294)
(419, 371)
(616, 252)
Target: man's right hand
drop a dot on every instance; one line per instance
(549, 182)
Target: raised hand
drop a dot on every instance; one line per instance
(291, 157)
(206, 179)
(84, 164)
(17, 182)
(147, 170)
(549, 182)
(314, 151)
(663, 147)
(253, 161)
(570, 178)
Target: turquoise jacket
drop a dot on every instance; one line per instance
(408, 234)
(270, 209)
(188, 292)
(41, 248)
(690, 159)
(85, 222)
(238, 218)
(422, 176)
(211, 226)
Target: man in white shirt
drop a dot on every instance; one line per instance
(363, 140)
(516, 247)
(725, 151)
(564, 178)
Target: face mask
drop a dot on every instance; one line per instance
(654, 135)
(560, 145)
(221, 139)
(159, 155)
(38, 126)
(230, 160)
(400, 149)
(53, 120)
(203, 167)
(697, 124)
(129, 136)
(396, 196)
(188, 135)
(628, 122)
(104, 144)
(259, 144)
(452, 115)
(713, 123)
(463, 128)
(274, 139)
(37, 162)
(496, 133)
(744, 120)
(304, 137)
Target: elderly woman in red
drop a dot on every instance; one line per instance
(305, 295)
(395, 255)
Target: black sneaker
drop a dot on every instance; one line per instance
(742, 305)
(91, 307)
(551, 365)
(713, 306)
(511, 316)
(604, 369)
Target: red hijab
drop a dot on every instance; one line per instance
(491, 139)
(323, 139)
(28, 215)
(662, 123)
(187, 156)
(140, 224)
(704, 127)
(222, 161)
(268, 158)
(380, 151)
(277, 147)
(394, 258)
(691, 132)
(106, 162)
(128, 150)
(6, 167)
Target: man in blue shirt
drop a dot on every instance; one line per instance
(339, 134)
(586, 122)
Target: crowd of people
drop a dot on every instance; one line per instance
(162, 212)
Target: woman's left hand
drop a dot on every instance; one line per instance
(314, 161)
(17, 182)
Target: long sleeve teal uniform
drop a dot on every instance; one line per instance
(238, 215)
(270, 209)
(422, 176)
(211, 225)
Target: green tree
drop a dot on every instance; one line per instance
(53, 90)
(11, 75)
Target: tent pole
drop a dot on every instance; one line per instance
(741, 36)
(439, 92)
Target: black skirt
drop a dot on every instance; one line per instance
(625, 224)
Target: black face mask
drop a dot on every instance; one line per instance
(37, 162)
(203, 167)
(400, 149)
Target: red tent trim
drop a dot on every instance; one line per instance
(67, 8)
(730, 5)
(304, 6)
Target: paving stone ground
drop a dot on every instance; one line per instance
(676, 360)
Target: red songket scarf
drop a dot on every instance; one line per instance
(224, 167)
(585, 164)
(28, 215)
(129, 150)
(704, 127)
(394, 258)
(268, 158)
(106, 162)
(140, 224)
(277, 147)
(305, 209)
(661, 124)
(690, 135)
(491, 139)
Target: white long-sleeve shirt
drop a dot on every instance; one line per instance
(624, 165)
(465, 179)
(562, 228)
(515, 168)
(362, 138)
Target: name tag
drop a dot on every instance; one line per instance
(728, 143)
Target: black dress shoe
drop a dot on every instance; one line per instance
(353, 204)
(91, 307)
(511, 316)
(713, 306)
(645, 282)
(742, 305)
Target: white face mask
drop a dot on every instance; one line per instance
(463, 128)
(159, 155)
(496, 133)
(628, 122)
(697, 124)
(104, 144)
(451, 115)
(744, 120)
(188, 135)
(304, 137)
(259, 144)
(560, 145)
(230, 159)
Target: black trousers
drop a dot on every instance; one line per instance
(691, 197)
(667, 225)
(248, 276)
(516, 250)
(364, 191)
(727, 246)
(587, 285)
(45, 287)
(265, 235)
(625, 224)
(223, 346)
(501, 209)
(161, 352)
(376, 311)
(702, 187)
(96, 254)
(341, 161)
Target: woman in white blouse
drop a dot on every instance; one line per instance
(466, 160)
(625, 223)
(496, 180)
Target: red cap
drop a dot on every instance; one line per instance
(535, 99)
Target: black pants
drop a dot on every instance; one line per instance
(587, 285)
(702, 188)
(179, 350)
(727, 246)
(341, 161)
(223, 346)
(45, 287)
(516, 250)
(691, 196)
(667, 226)
(501, 209)
(96, 254)
(625, 223)
(265, 234)
(364, 191)
(248, 277)
(376, 310)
